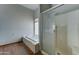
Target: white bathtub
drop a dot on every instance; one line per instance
(32, 43)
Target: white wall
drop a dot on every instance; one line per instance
(15, 21)
(73, 31)
(68, 27)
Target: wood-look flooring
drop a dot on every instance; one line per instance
(18, 48)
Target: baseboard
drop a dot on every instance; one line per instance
(10, 42)
(44, 53)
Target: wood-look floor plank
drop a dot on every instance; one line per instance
(16, 49)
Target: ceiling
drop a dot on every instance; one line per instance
(31, 6)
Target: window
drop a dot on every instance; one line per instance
(36, 27)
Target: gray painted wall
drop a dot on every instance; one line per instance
(36, 13)
(15, 21)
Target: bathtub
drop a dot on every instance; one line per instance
(32, 43)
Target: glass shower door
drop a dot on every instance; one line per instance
(48, 33)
